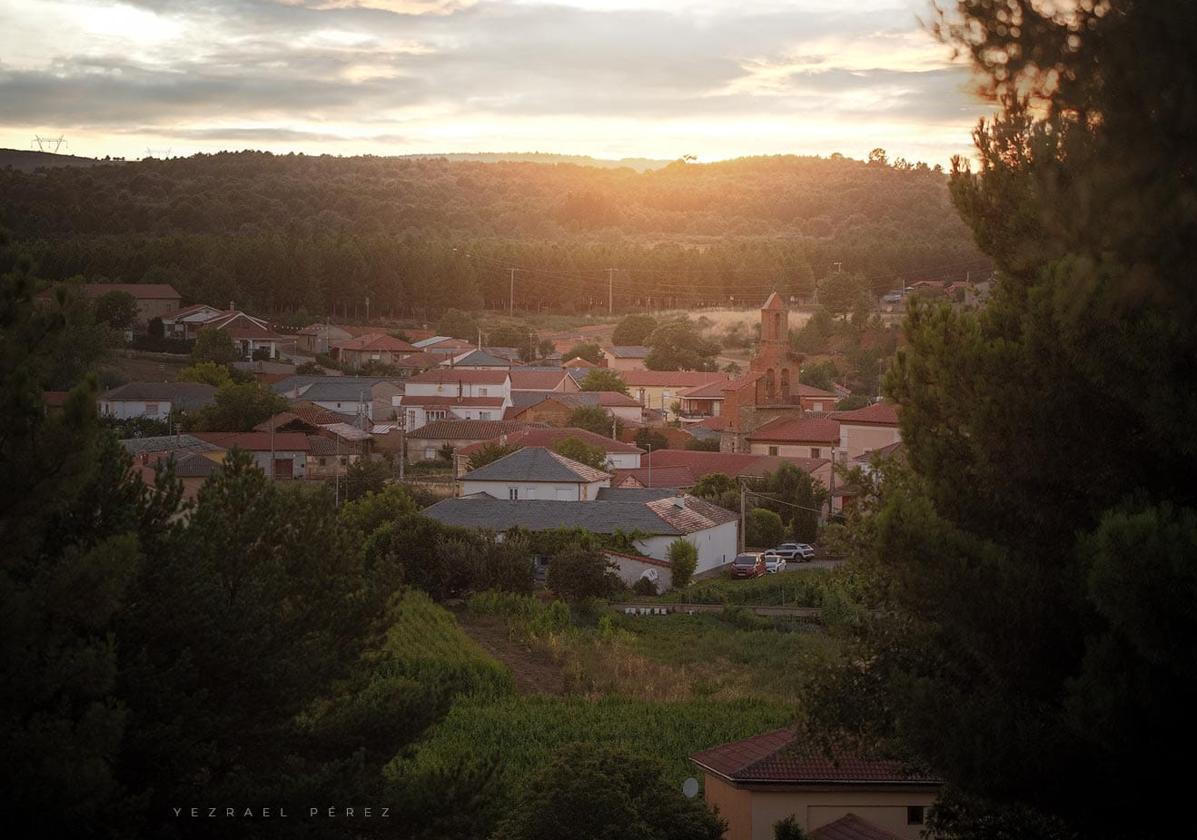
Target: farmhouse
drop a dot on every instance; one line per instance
(535, 472)
(868, 428)
(660, 389)
(279, 454)
(713, 530)
(799, 437)
(763, 779)
(625, 357)
(426, 442)
(377, 347)
(155, 400)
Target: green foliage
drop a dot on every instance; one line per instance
(853, 401)
(457, 324)
(581, 451)
(1031, 559)
(764, 528)
(819, 375)
(366, 475)
(208, 373)
(644, 588)
(718, 489)
(519, 336)
(788, 829)
(576, 573)
(633, 330)
(650, 439)
(490, 451)
(118, 310)
(595, 419)
(310, 369)
(796, 497)
(842, 292)
(603, 379)
(238, 407)
(214, 346)
(684, 559)
(588, 792)
(678, 345)
(589, 351)
(131, 427)
(703, 444)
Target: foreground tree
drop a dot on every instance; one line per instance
(633, 330)
(1046, 604)
(238, 407)
(582, 452)
(595, 793)
(595, 419)
(603, 379)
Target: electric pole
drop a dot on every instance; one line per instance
(610, 292)
(511, 295)
(743, 517)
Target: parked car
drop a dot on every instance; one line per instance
(794, 551)
(774, 563)
(748, 566)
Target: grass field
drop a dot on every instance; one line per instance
(807, 588)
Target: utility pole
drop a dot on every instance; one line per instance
(610, 290)
(831, 489)
(743, 516)
(650, 464)
(511, 295)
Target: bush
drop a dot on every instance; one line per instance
(644, 588)
(684, 559)
(788, 829)
(576, 573)
(765, 528)
(745, 619)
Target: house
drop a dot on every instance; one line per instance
(625, 357)
(278, 454)
(713, 531)
(477, 359)
(153, 299)
(427, 441)
(318, 338)
(685, 467)
(369, 397)
(535, 472)
(443, 346)
(313, 420)
(865, 429)
(155, 400)
(444, 393)
(660, 389)
(760, 780)
(414, 363)
(578, 363)
(194, 460)
(379, 348)
(184, 324)
(250, 334)
(330, 457)
(543, 380)
(796, 436)
(620, 455)
(555, 408)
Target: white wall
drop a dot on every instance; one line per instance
(631, 570)
(623, 460)
(716, 546)
(299, 459)
(450, 389)
(125, 409)
(631, 413)
(347, 407)
(558, 491)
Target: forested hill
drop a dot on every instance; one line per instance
(415, 235)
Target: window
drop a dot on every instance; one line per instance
(483, 415)
(429, 453)
(151, 408)
(772, 450)
(816, 452)
(818, 407)
(914, 814)
(320, 461)
(437, 415)
(482, 392)
(513, 493)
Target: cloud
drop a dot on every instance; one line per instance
(394, 68)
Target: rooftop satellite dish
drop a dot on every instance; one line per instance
(690, 787)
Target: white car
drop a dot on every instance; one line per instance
(774, 563)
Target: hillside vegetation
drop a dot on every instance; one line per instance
(323, 234)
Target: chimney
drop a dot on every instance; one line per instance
(232, 306)
(679, 501)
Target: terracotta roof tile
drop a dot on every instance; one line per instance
(480, 430)
(877, 414)
(550, 436)
(798, 430)
(850, 827)
(451, 376)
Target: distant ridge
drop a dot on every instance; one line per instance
(639, 164)
(26, 161)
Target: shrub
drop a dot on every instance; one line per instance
(764, 528)
(576, 573)
(644, 587)
(788, 829)
(684, 559)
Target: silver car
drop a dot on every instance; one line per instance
(774, 563)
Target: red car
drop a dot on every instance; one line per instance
(748, 566)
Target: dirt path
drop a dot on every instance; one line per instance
(534, 672)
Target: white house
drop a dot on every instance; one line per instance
(155, 400)
(865, 429)
(659, 518)
(185, 323)
(446, 393)
(534, 472)
(620, 455)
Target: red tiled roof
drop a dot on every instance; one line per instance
(550, 436)
(709, 391)
(447, 376)
(670, 378)
(811, 391)
(798, 430)
(257, 441)
(717, 423)
(375, 341)
(774, 302)
(680, 477)
(778, 757)
(479, 430)
(877, 414)
(537, 380)
(850, 827)
(579, 362)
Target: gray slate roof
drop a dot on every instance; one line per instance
(634, 494)
(167, 443)
(536, 463)
(187, 396)
(481, 358)
(189, 465)
(629, 351)
(300, 381)
(546, 514)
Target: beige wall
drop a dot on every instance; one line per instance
(857, 440)
(793, 450)
(148, 310)
(624, 364)
(734, 806)
(883, 808)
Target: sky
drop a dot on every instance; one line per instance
(609, 78)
